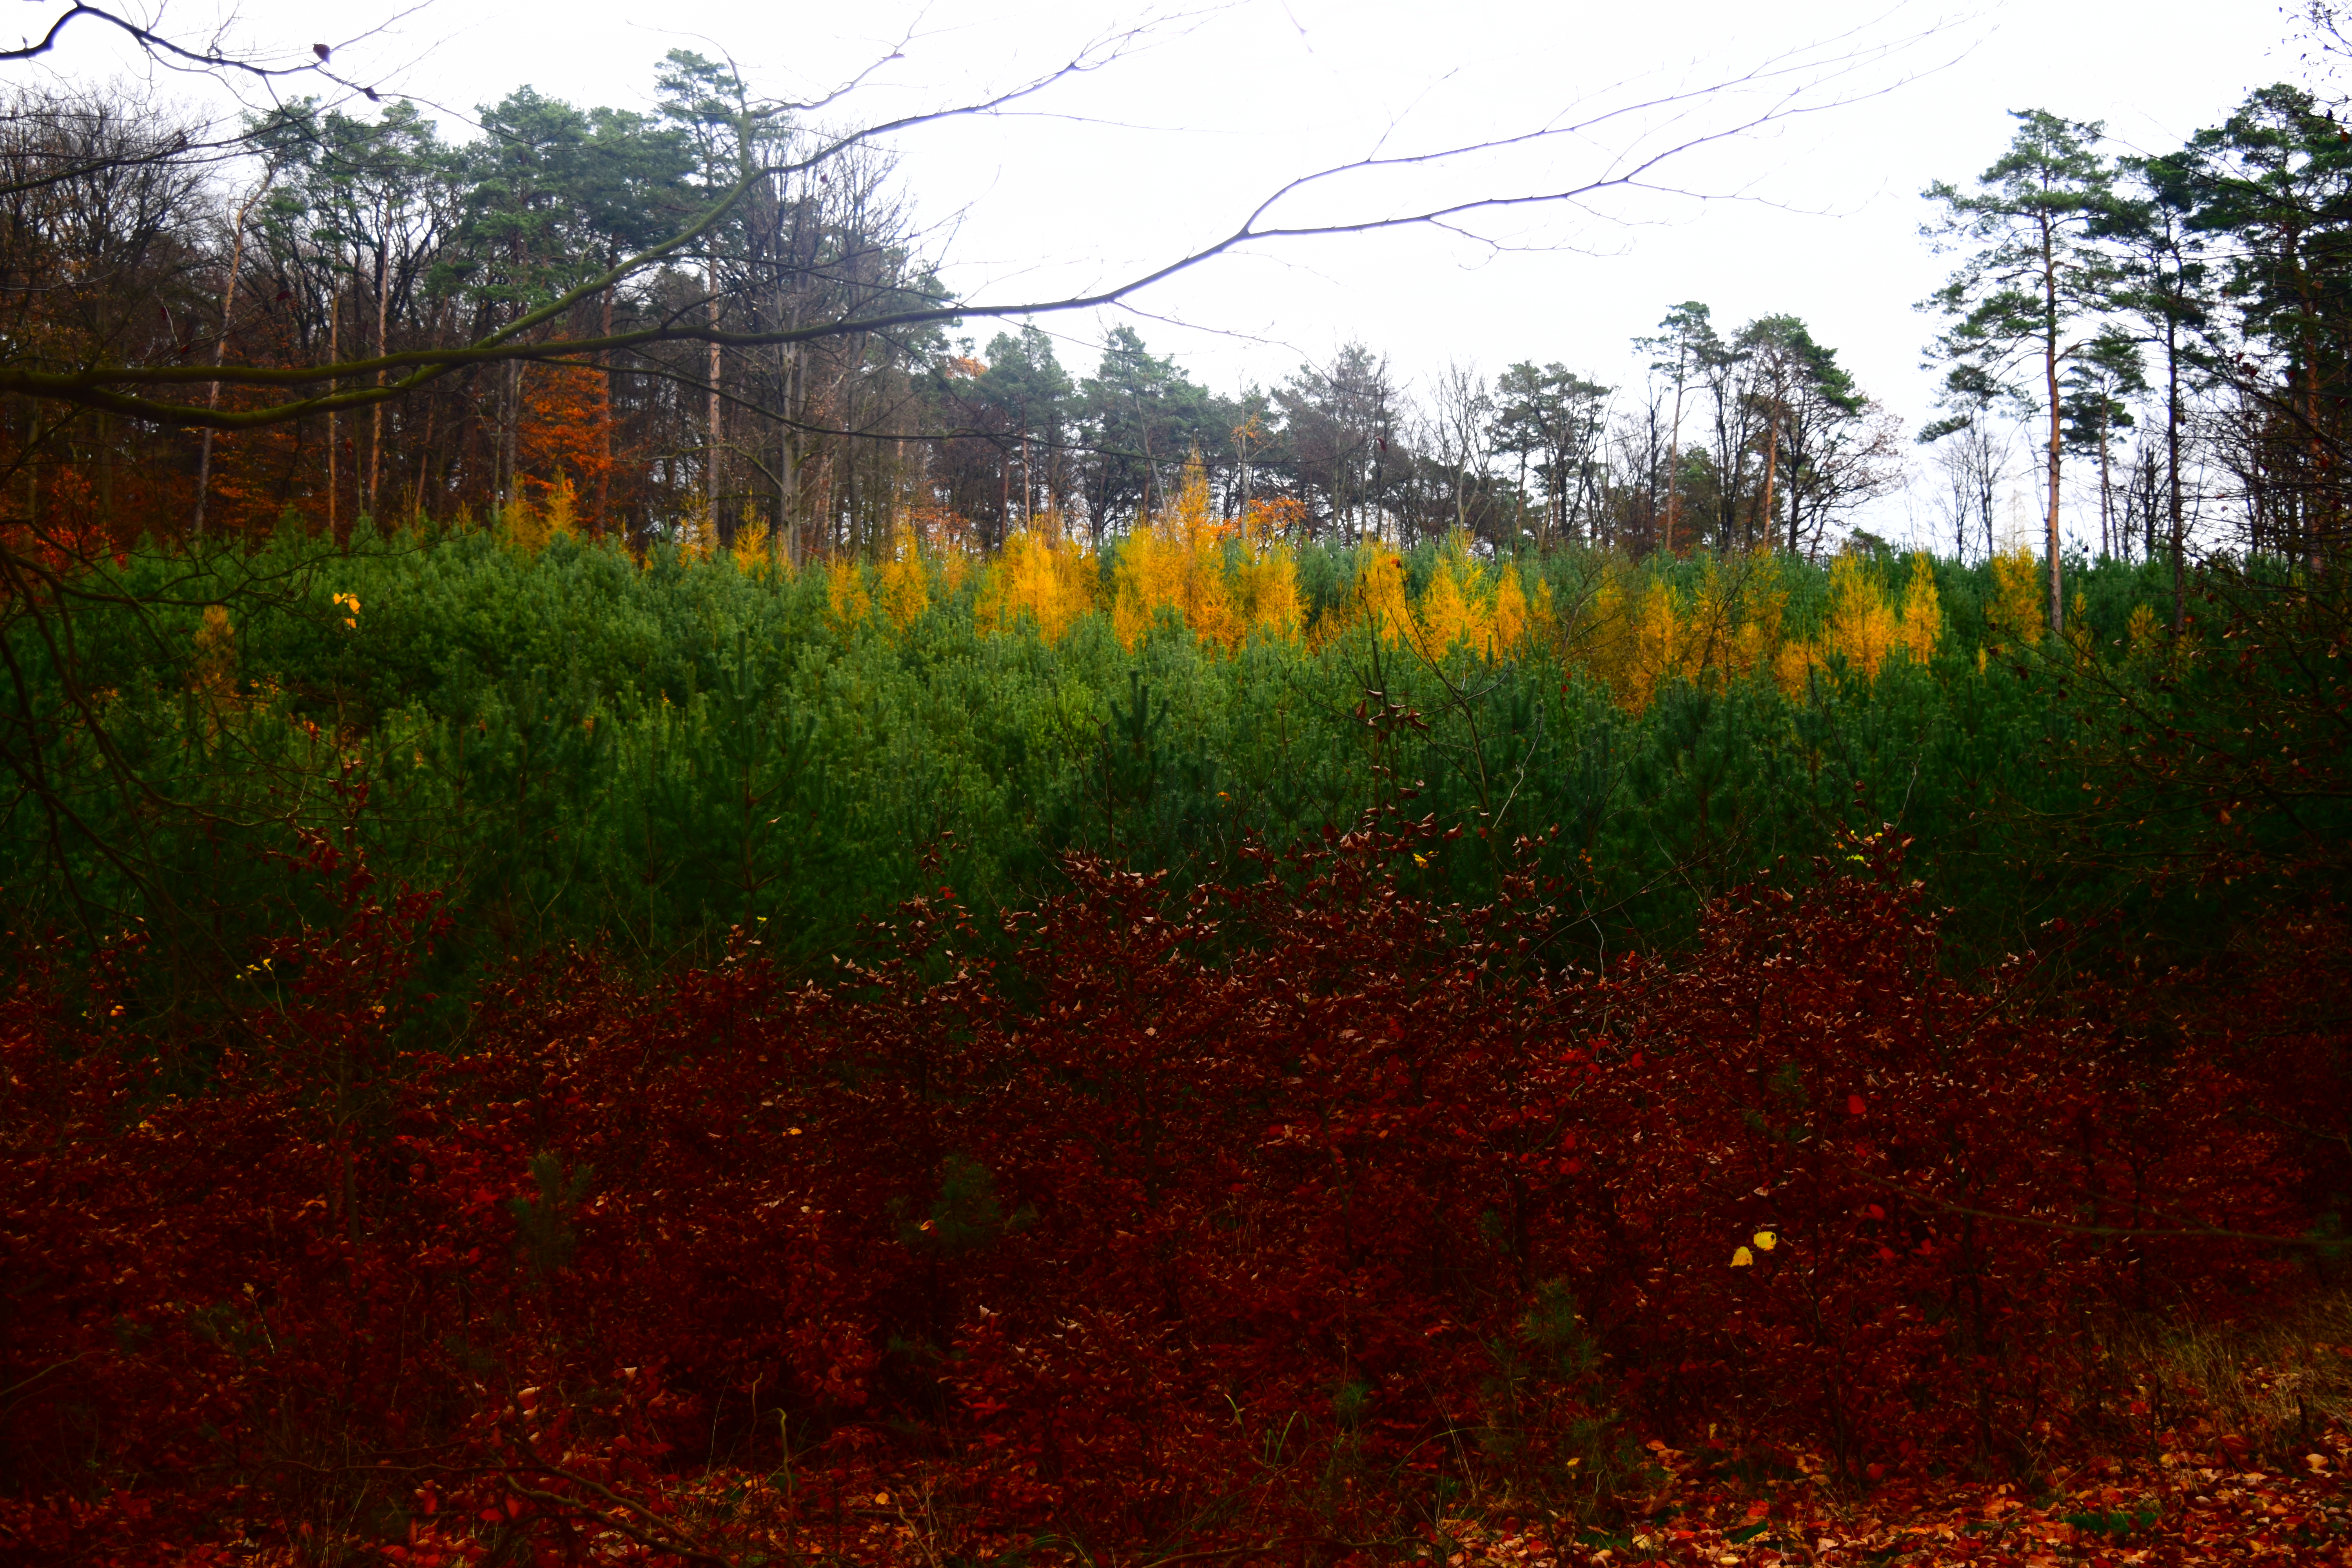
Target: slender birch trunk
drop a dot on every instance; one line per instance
(334, 355)
(220, 344)
(383, 320)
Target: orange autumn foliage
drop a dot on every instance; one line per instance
(1468, 606)
(1224, 580)
(1642, 633)
(1043, 577)
(566, 437)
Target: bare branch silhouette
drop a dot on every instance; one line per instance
(1804, 81)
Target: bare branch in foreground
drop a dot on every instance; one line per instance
(1798, 83)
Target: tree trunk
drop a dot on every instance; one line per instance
(2172, 461)
(334, 353)
(220, 347)
(2106, 493)
(1674, 462)
(604, 474)
(511, 437)
(383, 316)
(710, 464)
(1519, 511)
(2050, 380)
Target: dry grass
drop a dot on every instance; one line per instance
(2270, 1382)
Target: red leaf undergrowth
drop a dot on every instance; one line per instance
(1296, 1211)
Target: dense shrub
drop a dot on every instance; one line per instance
(574, 746)
(1281, 1210)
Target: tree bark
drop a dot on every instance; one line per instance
(2106, 483)
(604, 474)
(220, 347)
(334, 353)
(383, 315)
(2050, 379)
(1673, 461)
(2172, 462)
(710, 464)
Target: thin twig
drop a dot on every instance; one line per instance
(2193, 1233)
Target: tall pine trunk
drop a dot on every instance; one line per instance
(605, 473)
(711, 474)
(2050, 381)
(2172, 462)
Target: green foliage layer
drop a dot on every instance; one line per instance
(576, 747)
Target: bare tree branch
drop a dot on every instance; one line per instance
(205, 58)
(1793, 81)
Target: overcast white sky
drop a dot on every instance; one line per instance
(1167, 148)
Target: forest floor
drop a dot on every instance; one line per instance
(2178, 1509)
(2182, 1507)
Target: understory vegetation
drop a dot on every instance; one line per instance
(523, 1052)
(573, 747)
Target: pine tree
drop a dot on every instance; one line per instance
(1685, 342)
(2037, 281)
(2162, 292)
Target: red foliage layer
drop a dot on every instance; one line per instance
(1268, 1214)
